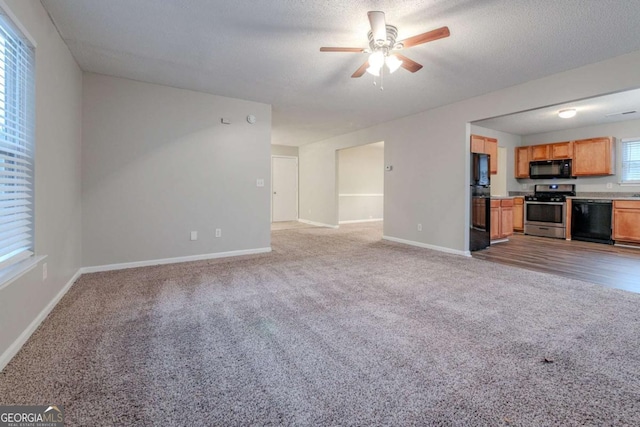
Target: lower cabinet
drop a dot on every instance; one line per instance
(495, 219)
(518, 214)
(626, 221)
(501, 218)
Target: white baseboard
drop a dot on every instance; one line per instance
(15, 347)
(317, 224)
(427, 246)
(124, 265)
(356, 221)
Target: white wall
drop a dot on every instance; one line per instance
(157, 164)
(57, 179)
(619, 130)
(361, 182)
(284, 150)
(429, 152)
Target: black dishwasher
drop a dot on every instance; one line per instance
(591, 220)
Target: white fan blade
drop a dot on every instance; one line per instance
(378, 27)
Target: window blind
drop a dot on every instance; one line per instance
(16, 144)
(631, 160)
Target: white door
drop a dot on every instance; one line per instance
(284, 188)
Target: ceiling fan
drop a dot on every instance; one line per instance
(383, 47)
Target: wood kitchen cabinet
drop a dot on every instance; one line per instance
(491, 148)
(540, 152)
(626, 221)
(561, 150)
(501, 218)
(477, 144)
(506, 218)
(485, 145)
(518, 214)
(495, 219)
(555, 151)
(522, 162)
(593, 157)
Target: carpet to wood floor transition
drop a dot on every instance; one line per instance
(335, 327)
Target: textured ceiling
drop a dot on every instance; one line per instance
(592, 111)
(268, 50)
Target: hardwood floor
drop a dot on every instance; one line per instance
(608, 265)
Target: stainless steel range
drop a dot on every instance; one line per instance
(545, 212)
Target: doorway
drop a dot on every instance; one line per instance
(360, 176)
(284, 188)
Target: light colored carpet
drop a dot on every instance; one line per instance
(335, 327)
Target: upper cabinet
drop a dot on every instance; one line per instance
(590, 157)
(539, 152)
(561, 150)
(522, 162)
(555, 151)
(593, 157)
(485, 145)
(491, 148)
(477, 144)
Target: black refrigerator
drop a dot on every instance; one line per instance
(480, 226)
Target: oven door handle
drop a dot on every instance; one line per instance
(546, 203)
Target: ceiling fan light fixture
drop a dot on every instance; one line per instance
(374, 71)
(376, 59)
(393, 63)
(567, 113)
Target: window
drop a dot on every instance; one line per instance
(630, 161)
(16, 144)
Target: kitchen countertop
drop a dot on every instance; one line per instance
(502, 197)
(602, 198)
(590, 195)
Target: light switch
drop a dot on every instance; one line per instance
(260, 182)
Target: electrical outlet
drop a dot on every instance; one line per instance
(259, 182)
(609, 185)
(218, 232)
(525, 186)
(194, 235)
(44, 271)
(419, 227)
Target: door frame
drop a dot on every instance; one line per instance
(297, 184)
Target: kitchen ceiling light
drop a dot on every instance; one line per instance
(568, 113)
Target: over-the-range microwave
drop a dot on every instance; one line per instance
(546, 169)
